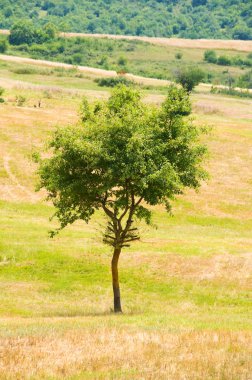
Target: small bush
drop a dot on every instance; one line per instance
(38, 50)
(210, 56)
(20, 100)
(245, 80)
(238, 61)
(22, 47)
(131, 48)
(24, 70)
(178, 55)
(48, 94)
(223, 60)
(103, 61)
(3, 46)
(77, 58)
(122, 61)
(112, 82)
(231, 92)
(1, 93)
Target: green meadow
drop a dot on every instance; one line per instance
(138, 57)
(186, 285)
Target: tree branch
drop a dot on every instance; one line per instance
(109, 237)
(124, 213)
(108, 211)
(139, 201)
(127, 202)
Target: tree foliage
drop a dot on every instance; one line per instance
(245, 80)
(1, 93)
(123, 157)
(183, 18)
(3, 46)
(189, 77)
(25, 32)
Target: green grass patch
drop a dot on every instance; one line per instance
(70, 275)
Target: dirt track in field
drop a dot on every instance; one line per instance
(98, 72)
(87, 70)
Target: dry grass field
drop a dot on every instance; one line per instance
(237, 45)
(186, 286)
(120, 353)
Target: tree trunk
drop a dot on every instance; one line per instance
(115, 281)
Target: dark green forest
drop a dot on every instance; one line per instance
(220, 19)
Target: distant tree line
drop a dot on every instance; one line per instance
(224, 19)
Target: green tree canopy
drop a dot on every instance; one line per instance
(22, 32)
(25, 32)
(189, 77)
(223, 19)
(123, 157)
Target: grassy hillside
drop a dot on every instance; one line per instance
(186, 286)
(141, 58)
(224, 19)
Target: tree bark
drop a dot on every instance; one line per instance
(115, 281)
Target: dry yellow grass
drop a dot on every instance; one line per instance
(177, 42)
(231, 156)
(217, 268)
(238, 45)
(20, 131)
(117, 353)
(4, 31)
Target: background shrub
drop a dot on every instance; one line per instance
(3, 46)
(112, 82)
(223, 60)
(210, 56)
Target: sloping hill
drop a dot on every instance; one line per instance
(99, 72)
(186, 286)
(220, 19)
(201, 43)
(238, 45)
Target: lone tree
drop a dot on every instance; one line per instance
(122, 157)
(189, 77)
